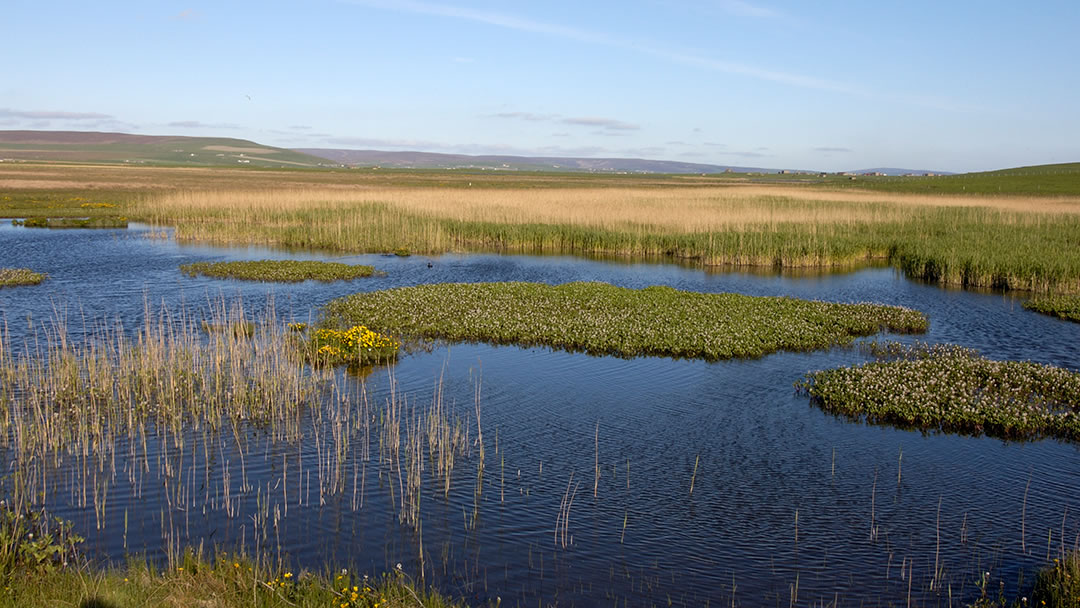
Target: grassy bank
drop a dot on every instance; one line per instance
(1063, 307)
(12, 277)
(602, 319)
(224, 582)
(952, 389)
(285, 271)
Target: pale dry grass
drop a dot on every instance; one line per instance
(670, 210)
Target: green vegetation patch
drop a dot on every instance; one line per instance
(953, 389)
(1064, 307)
(1059, 583)
(12, 277)
(286, 271)
(72, 222)
(356, 346)
(602, 319)
(223, 582)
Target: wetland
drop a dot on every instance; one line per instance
(496, 468)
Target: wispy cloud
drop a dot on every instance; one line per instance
(300, 127)
(829, 149)
(195, 124)
(564, 32)
(529, 116)
(185, 15)
(744, 154)
(51, 115)
(746, 9)
(607, 124)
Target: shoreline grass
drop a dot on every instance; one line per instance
(1023, 244)
(952, 389)
(602, 319)
(282, 271)
(15, 277)
(223, 582)
(1062, 307)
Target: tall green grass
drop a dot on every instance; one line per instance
(963, 246)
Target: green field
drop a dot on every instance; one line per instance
(1041, 180)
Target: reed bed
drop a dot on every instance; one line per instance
(602, 319)
(283, 271)
(1063, 307)
(13, 277)
(949, 388)
(1009, 243)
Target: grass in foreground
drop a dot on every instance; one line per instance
(1063, 307)
(602, 319)
(222, 583)
(286, 271)
(12, 277)
(953, 389)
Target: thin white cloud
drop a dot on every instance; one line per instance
(195, 124)
(746, 9)
(831, 149)
(528, 116)
(51, 115)
(600, 39)
(607, 124)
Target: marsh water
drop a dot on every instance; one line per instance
(586, 498)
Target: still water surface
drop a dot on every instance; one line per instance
(789, 505)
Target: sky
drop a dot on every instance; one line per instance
(828, 85)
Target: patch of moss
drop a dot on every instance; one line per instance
(288, 271)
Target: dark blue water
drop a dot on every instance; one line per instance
(789, 505)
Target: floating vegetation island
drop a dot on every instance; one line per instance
(72, 222)
(1063, 307)
(12, 277)
(285, 271)
(951, 388)
(602, 319)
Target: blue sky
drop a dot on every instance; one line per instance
(828, 85)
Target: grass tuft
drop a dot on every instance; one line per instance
(12, 277)
(286, 271)
(1063, 307)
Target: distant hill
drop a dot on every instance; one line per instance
(431, 160)
(95, 147)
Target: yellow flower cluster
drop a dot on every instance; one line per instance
(357, 344)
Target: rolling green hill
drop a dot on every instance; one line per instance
(1040, 180)
(124, 148)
